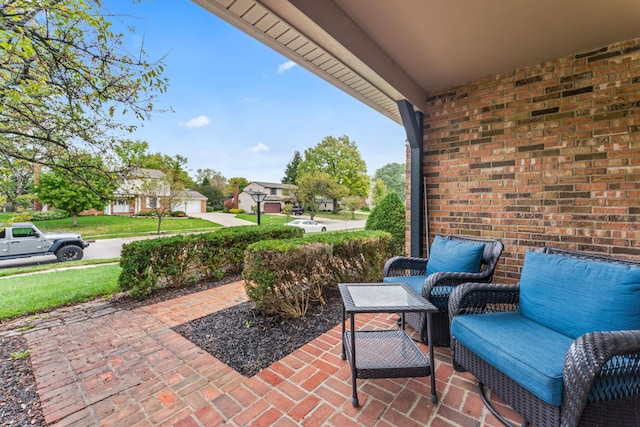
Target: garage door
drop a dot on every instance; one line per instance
(194, 206)
(271, 208)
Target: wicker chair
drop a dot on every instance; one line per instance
(600, 385)
(437, 286)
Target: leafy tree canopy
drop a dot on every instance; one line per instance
(315, 186)
(393, 175)
(340, 159)
(242, 182)
(68, 86)
(74, 192)
(291, 171)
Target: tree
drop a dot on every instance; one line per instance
(390, 215)
(340, 159)
(394, 176)
(291, 171)
(353, 203)
(212, 184)
(242, 182)
(378, 192)
(74, 192)
(16, 181)
(315, 186)
(166, 164)
(165, 193)
(68, 85)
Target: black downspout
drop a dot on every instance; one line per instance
(413, 122)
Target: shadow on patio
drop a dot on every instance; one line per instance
(129, 368)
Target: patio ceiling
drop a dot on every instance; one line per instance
(383, 51)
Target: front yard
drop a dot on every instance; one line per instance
(111, 226)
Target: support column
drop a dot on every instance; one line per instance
(413, 122)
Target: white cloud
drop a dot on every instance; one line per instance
(286, 67)
(260, 148)
(196, 122)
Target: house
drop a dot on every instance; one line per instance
(277, 195)
(522, 118)
(135, 195)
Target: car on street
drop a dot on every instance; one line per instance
(297, 210)
(24, 240)
(307, 225)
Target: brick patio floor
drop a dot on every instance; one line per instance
(129, 368)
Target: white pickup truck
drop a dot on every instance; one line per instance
(24, 239)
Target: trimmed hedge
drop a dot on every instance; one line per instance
(179, 260)
(284, 277)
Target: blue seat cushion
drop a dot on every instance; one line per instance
(454, 256)
(414, 282)
(574, 295)
(527, 352)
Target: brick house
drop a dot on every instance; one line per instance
(522, 118)
(130, 198)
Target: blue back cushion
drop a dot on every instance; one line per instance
(574, 296)
(454, 256)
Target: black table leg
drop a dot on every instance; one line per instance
(432, 361)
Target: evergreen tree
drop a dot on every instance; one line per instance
(390, 215)
(291, 171)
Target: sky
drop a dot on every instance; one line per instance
(239, 107)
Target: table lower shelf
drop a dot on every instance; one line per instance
(386, 354)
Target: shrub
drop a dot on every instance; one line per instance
(390, 215)
(147, 213)
(236, 211)
(284, 277)
(46, 215)
(178, 214)
(181, 260)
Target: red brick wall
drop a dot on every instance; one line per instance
(544, 155)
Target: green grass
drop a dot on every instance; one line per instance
(34, 293)
(265, 219)
(54, 266)
(110, 226)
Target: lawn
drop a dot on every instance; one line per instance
(110, 226)
(34, 293)
(267, 219)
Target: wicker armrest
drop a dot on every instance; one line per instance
(446, 278)
(483, 298)
(405, 266)
(610, 361)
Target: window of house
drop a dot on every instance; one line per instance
(273, 191)
(121, 206)
(152, 202)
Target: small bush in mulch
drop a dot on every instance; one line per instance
(248, 342)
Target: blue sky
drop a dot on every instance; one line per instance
(239, 107)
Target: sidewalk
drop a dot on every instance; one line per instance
(129, 368)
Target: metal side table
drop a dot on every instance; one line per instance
(385, 353)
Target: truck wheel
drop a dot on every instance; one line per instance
(69, 253)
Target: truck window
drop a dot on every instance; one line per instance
(23, 232)
(3, 234)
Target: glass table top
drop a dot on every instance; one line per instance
(383, 296)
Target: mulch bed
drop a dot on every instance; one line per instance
(250, 342)
(238, 336)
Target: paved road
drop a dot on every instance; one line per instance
(111, 248)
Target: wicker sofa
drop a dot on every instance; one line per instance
(562, 347)
(453, 260)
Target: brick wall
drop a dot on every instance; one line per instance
(544, 155)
